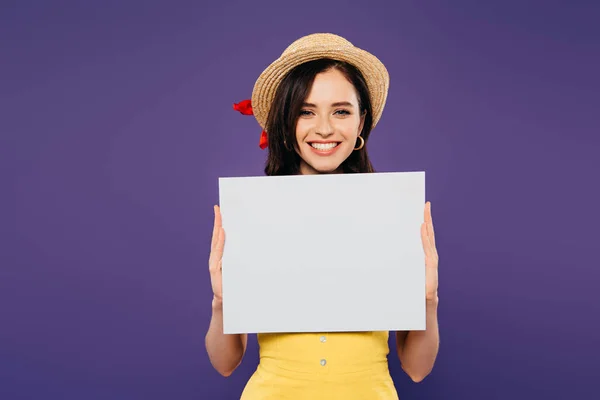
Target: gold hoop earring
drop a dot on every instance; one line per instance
(362, 143)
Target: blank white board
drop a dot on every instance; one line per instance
(323, 253)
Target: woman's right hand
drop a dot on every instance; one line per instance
(214, 261)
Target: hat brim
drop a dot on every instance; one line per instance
(373, 70)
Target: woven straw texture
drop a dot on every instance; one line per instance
(312, 47)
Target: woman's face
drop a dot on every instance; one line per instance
(329, 124)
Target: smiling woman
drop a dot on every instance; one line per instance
(319, 120)
(318, 104)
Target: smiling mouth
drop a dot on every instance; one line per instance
(324, 146)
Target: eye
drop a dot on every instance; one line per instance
(305, 112)
(343, 112)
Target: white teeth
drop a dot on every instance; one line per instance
(323, 146)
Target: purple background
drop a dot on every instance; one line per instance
(117, 121)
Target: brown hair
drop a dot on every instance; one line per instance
(285, 111)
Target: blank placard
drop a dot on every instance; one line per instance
(323, 253)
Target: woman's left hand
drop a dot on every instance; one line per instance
(431, 256)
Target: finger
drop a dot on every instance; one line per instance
(220, 242)
(218, 223)
(428, 247)
(431, 230)
(425, 240)
(217, 253)
(429, 223)
(214, 232)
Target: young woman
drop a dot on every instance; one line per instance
(317, 105)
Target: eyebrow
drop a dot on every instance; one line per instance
(338, 104)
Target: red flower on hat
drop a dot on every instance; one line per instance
(245, 108)
(264, 143)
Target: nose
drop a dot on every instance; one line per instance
(324, 127)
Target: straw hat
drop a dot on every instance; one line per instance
(312, 47)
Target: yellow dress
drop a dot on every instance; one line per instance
(314, 366)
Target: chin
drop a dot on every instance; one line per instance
(328, 170)
(324, 167)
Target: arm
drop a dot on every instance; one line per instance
(224, 351)
(417, 350)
